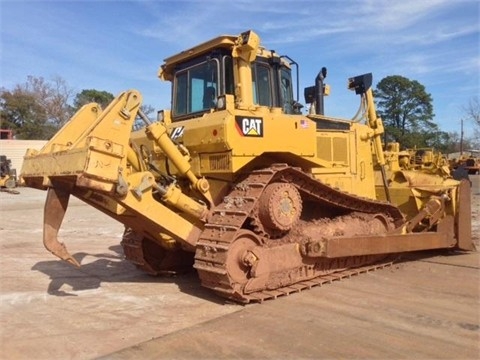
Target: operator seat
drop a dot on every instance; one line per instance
(209, 98)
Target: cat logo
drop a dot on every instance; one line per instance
(177, 132)
(248, 126)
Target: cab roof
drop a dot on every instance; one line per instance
(228, 42)
(223, 41)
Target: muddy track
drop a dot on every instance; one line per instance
(224, 239)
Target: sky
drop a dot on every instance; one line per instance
(118, 45)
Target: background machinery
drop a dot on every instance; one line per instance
(8, 176)
(261, 199)
(468, 160)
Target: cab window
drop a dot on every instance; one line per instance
(261, 85)
(228, 82)
(286, 91)
(195, 88)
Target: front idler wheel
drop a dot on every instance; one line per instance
(241, 259)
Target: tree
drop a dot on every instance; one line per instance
(38, 108)
(53, 96)
(147, 110)
(35, 109)
(86, 96)
(472, 110)
(104, 98)
(22, 113)
(407, 111)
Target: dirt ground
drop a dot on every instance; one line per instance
(428, 308)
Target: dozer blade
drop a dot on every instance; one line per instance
(54, 212)
(464, 225)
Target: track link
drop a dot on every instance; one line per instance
(237, 210)
(150, 257)
(317, 281)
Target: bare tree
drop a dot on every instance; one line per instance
(472, 112)
(53, 96)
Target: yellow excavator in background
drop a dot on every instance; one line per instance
(261, 199)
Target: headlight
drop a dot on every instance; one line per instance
(221, 103)
(160, 116)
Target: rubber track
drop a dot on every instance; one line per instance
(228, 218)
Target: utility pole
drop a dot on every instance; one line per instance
(461, 137)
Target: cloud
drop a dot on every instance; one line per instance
(96, 44)
(393, 15)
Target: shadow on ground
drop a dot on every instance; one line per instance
(112, 268)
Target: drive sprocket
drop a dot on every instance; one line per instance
(279, 208)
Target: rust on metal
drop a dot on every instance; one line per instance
(280, 207)
(243, 266)
(464, 221)
(370, 245)
(430, 214)
(54, 212)
(150, 257)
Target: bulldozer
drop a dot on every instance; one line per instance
(469, 161)
(8, 175)
(237, 182)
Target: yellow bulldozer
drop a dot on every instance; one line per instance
(8, 175)
(234, 180)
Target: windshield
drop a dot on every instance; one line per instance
(196, 88)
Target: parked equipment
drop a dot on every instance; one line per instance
(469, 161)
(261, 199)
(8, 176)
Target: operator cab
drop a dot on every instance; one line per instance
(272, 83)
(201, 75)
(197, 83)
